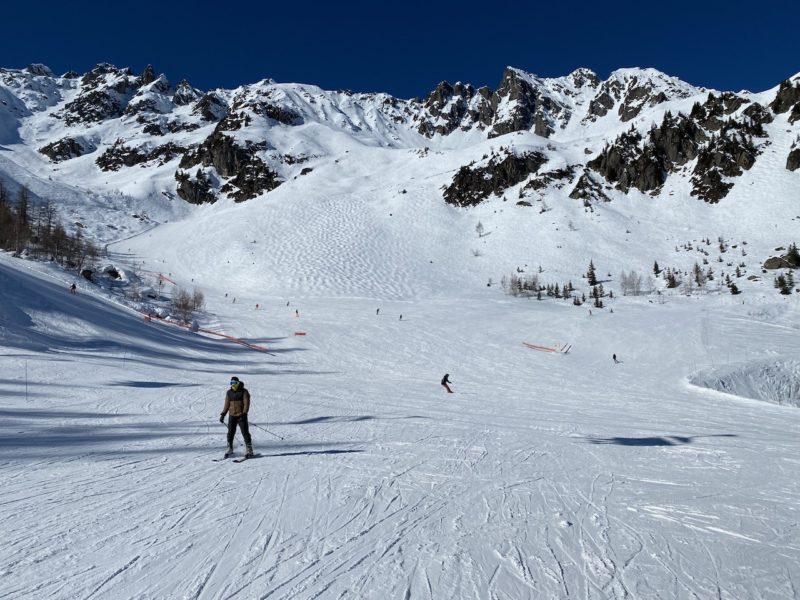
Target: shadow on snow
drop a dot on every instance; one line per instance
(344, 419)
(668, 440)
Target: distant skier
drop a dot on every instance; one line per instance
(377, 311)
(237, 405)
(614, 356)
(401, 318)
(73, 289)
(445, 381)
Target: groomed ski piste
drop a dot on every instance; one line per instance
(544, 476)
(672, 474)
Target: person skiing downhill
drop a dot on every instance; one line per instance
(237, 405)
(445, 381)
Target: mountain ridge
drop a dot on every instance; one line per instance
(266, 158)
(152, 121)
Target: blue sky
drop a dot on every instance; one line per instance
(406, 48)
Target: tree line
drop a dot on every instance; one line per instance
(37, 231)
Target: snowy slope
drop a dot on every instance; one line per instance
(544, 475)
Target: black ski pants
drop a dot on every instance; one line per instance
(241, 421)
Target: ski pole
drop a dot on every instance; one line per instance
(268, 431)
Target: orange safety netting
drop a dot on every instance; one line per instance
(208, 331)
(562, 350)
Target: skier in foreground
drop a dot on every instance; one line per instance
(237, 405)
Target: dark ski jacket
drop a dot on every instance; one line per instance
(446, 379)
(237, 402)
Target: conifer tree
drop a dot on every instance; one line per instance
(672, 281)
(782, 285)
(590, 274)
(793, 256)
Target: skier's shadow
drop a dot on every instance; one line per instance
(668, 440)
(311, 452)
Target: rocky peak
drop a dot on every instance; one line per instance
(522, 103)
(39, 69)
(148, 75)
(584, 78)
(211, 107)
(107, 75)
(185, 94)
(644, 88)
(264, 100)
(455, 106)
(105, 91)
(634, 90)
(151, 97)
(788, 97)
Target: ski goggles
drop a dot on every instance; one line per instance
(235, 383)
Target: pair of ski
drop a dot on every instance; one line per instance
(236, 460)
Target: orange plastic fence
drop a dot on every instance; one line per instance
(208, 331)
(537, 347)
(562, 350)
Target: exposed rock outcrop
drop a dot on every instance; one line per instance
(211, 107)
(262, 104)
(39, 69)
(558, 178)
(67, 148)
(527, 108)
(120, 155)
(195, 190)
(726, 156)
(248, 175)
(185, 94)
(793, 160)
(587, 189)
(104, 94)
(455, 107)
(628, 164)
(723, 148)
(472, 185)
(789, 260)
(787, 98)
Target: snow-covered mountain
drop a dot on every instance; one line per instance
(117, 152)
(242, 143)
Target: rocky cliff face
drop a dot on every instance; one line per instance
(473, 184)
(724, 138)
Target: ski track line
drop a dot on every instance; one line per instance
(221, 560)
(116, 573)
(352, 552)
(272, 549)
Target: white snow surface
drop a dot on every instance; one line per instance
(545, 475)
